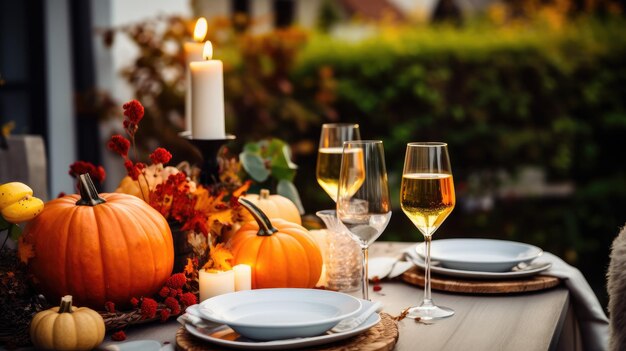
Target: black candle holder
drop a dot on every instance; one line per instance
(209, 149)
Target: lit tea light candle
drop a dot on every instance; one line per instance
(207, 97)
(193, 52)
(243, 277)
(213, 283)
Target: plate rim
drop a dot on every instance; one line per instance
(370, 322)
(481, 274)
(285, 325)
(538, 251)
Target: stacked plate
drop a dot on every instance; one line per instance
(272, 319)
(481, 258)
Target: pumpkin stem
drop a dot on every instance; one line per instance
(265, 226)
(66, 304)
(88, 193)
(264, 194)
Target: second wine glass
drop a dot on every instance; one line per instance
(427, 198)
(363, 204)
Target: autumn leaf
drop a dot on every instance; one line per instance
(25, 250)
(220, 257)
(242, 189)
(224, 217)
(207, 202)
(198, 242)
(189, 267)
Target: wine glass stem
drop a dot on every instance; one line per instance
(427, 297)
(365, 282)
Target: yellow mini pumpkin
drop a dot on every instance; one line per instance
(282, 254)
(275, 206)
(67, 328)
(17, 203)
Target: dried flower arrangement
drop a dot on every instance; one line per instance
(205, 214)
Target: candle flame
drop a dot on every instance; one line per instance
(207, 53)
(200, 30)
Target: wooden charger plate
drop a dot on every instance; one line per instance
(415, 276)
(381, 337)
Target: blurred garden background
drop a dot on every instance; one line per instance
(530, 95)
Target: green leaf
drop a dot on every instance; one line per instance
(282, 167)
(263, 146)
(286, 155)
(15, 232)
(288, 190)
(4, 225)
(282, 173)
(254, 166)
(251, 148)
(274, 147)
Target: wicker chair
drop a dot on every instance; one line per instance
(616, 285)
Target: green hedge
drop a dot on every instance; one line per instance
(502, 98)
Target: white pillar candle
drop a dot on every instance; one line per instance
(321, 238)
(207, 97)
(243, 277)
(213, 283)
(193, 52)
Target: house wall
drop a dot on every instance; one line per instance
(262, 14)
(61, 127)
(307, 12)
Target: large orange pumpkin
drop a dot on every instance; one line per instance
(282, 254)
(99, 248)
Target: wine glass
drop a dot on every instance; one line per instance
(329, 154)
(427, 198)
(343, 256)
(363, 204)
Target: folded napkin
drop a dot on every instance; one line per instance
(594, 325)
(193, 317)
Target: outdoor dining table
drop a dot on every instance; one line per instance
(542, 320)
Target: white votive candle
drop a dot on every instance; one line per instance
(243, 277)
(193, 52)
(207, 97)
(215, 283)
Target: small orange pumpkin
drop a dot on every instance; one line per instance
(99, 248)
(282, 254)
(275, 206)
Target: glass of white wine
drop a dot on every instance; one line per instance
(363, 204)
(329, 154)
(342, 265)
(427, 198)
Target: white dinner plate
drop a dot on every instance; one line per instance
(137, 345)
(482, 255)
(532, 269)
(272, 314)
(224, 336)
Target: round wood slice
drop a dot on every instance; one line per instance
(381, 337)
(415, 276)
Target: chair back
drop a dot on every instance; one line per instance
(616, 285)
(23, 159)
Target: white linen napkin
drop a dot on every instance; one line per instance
(193, 317)
(594, 325)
